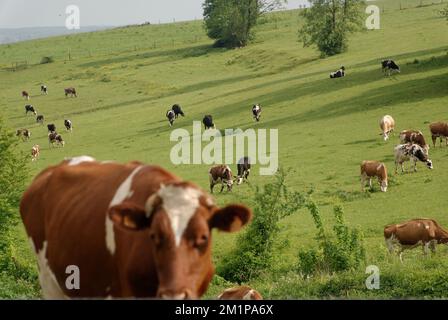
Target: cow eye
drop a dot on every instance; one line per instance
(201, 242)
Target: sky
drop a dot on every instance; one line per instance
(51, 13)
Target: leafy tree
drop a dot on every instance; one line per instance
(231, 22)
(329, 22)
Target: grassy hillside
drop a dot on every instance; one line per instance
(127, 78)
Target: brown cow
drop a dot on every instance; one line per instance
(374, 169)
(240, 293)
(71, 92)
(414, 136)
(221, 173)
(439, 130)
(411, 234)
(132, 230)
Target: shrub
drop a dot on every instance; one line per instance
(46, 60)
(340, 251)
(254, 254)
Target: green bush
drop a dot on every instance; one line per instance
(255, 250)
(46, 60)
(340, 251)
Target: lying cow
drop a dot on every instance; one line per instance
(256, 112)
(43, 89)
(413, 136)
(208, 122)
(177, 110)
(55, 138)
(25, 134)
(40, 119)
(171, 116)
(30, 108)
(413, 233)
(221, 174)
(439, 130)
(338, 74)
(133, 230)
(68, 125)
(243, 167)
(35, 152)
(387, 125)
(51, 127)
(240, 293)
(374, 169)
(26, 95)
(412, 152)
(389, 66)
(71, 92)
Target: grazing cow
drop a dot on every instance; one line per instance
(389, 66)
(411, 234)
(51, 128)
(71, 92)
(208, 122)
(374, 169)
(35, 152)
(338, 74)
(413, 152)
(26, 95)
(30, 108)
(178, 110)
(256, 111)
(171, 116)
(387, 125)
(25, 134)
(133, 230)
(40, 119)
(223, 174)
(55, 138)
(439, 130)
(243, 167)
(43, 89)
(240, 293)
(68, 125)
(413, 136)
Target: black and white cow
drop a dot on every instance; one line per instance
(243, 167)
(30, 108)
(25, 134)
(51, 128)
(412, 152)
(178, 110)
(40, 119)
(171, 116)
(208, 122)
(338, 74)
(54, 137)
(43, 89)
(256, 111)
(68, 125)
(389, 66)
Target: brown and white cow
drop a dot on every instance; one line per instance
(221, 174)
(240, 293)
(387, 125)
(25, 134)
(411, 234)
(414, 136)
(131, 230)
(412, 152)
(26, 95)
(374, 169)
(439, 130)
(55, 138)
(35, 152)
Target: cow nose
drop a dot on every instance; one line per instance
(172, 295)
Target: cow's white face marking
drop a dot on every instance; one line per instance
(78, 160)
(123, 192)
(50, 286)
(180, 204)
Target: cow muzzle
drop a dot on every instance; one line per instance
(168, 294)
(429, 164)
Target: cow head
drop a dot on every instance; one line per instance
(383, 185)
(179, 220)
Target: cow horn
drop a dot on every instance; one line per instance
(151, 204)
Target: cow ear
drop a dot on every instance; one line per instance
(231, 218)
(129, 216)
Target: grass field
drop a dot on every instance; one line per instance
(127, 78)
